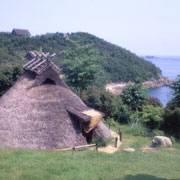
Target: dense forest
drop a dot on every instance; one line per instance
(113, 63)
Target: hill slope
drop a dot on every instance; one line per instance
(115, 63)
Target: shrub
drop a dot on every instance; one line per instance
(138, 130)
(173, 139)
(121, 113)
(100, 100)
(134, 96)
(171, 123)
(100, 142)
(107, 103)
(154, 102)
(171, 105)
(176, 91)
(157, 132)
(151, 117)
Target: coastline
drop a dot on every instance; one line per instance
(116, 88)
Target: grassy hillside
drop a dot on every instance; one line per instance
(159, 164)
(115, 63)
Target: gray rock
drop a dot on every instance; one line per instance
(161, 141)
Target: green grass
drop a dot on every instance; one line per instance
(160, 164)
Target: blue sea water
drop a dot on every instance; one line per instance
(170, 67)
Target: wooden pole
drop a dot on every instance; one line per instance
(109, 126)
(77, 147)
(116, 141)
(120, 134)
(96, 147)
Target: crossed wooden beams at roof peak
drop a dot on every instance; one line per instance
(35, 54)
(39, 62)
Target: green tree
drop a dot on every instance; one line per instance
(101, 100)
(80, 74)
(176, 91)
(8, 75)
(134, 96)
(116, 63)
(172, 122)
(172, 111)
(106, 102)
(154, 102)
(151, 116)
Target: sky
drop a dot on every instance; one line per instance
(145, 27)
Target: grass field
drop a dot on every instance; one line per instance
(160, 164)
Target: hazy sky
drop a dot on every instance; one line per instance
(149, 27)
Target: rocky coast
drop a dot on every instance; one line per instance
(116, 88)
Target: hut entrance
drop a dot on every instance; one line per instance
(85, 122)
(49, 81)
(80, 128)
(89, 136)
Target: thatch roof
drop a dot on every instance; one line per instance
(95, 116)
(101, 131)
(20, 32)
(40, 114)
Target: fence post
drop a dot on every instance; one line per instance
(109, 125)
(116, 141)
(120, 134)
(96, 147)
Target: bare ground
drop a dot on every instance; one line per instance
(110, 149)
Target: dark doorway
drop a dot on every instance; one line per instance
(49, 81)
(79, 127)
(89, 136)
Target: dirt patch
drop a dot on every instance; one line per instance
(110, 149)
(146, 148)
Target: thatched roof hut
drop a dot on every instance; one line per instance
(41, 112)
(20, 32)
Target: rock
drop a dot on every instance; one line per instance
(129, 149)
(161, 141)
(116, 88)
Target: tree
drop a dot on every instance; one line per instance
(101, 100)
(116, 63)
(106, 102)
(8, 75)
(80, 74)
(172, 111)
(176, 91)
(151, 116)
(154, 102)
(172, 122)
(134, 96)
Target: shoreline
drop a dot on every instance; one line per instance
(116, 88)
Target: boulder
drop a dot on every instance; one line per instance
(161, 141)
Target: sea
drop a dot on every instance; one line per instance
(170, 67)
